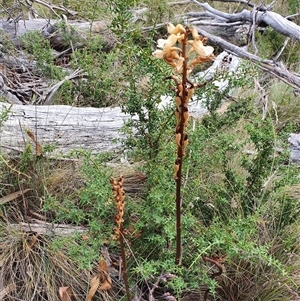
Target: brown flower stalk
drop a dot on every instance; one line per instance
(119, 197)
(182, 55)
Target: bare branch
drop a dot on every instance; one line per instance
(273, 67)
(53, 7)
(248, 3)
(282, 48)
(254, 15)
(274, 20)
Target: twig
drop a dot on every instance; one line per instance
(252, 30)
(180, 2)
(272, 19)
(213, 275)
(263, 101)
(45, 228)
(53, 7)
(209, 23)
(52, 90)
(290, 17)
(276, 57)
(13, 169)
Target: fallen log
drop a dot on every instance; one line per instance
(78, 31)
(44, 228)
(61, 128)
(64, 129)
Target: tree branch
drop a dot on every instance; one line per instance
(273, 67)
(274, 20)
(248, 3)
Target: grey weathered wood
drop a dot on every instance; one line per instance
(44, 228)
(66, 128)
(69, 128)
(82, 29)
(275, 68)
(294, 141)
(274, 20)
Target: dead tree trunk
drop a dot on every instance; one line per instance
(61, 128)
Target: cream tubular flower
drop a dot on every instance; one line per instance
(198, 37)
(203, 51)
(158, 54)
(195, 34)
(199, 60)
(171, 41)
(175, 30)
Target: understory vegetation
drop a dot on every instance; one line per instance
(240, 217)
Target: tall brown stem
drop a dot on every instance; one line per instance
(122, 247)
(178, 258)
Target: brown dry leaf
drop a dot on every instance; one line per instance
(106, 285)
(94, 286)
(30, 135)
(12, 196)
(32, 241)
(104, 276)
(102, 266)
(38, 147)
(65, 293)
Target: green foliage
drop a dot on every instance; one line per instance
(84, 253)
(227, 194)
(94, 208)
(143, 94)
(227, 190)
(7, 45)
(150, 121)
(270, 43)
(216, 91)
(157, 11)
(293, 6)
(40, 48)
(4, 114)
(121, 16)
(89, 10)
(104, 72)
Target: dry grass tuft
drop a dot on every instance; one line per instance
(245, 280)
(30, 270)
